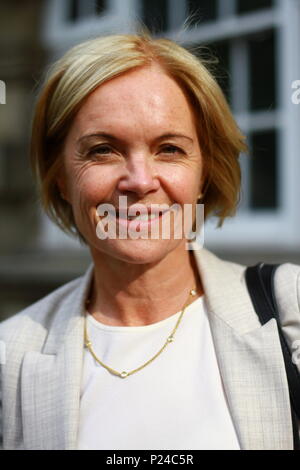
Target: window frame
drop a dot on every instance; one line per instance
(58, 30)
(249, 229)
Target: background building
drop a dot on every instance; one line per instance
(257, 42)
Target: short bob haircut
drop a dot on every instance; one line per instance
(84, 67)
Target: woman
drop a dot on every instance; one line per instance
(157, 346)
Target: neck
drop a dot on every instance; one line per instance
(131, 294)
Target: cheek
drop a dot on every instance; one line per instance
(184, 185)
(90, 185)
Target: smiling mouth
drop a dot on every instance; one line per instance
(142, 217)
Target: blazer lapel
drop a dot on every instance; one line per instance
(249, 356)
(50, 381)
(254, 381)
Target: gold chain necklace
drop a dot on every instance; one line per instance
(125, 374)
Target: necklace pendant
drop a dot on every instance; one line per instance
(170, 339)
(124, 374)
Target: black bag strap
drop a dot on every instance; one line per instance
(260, 283)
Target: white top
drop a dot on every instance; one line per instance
(176, 402)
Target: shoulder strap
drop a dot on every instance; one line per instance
(260, 283)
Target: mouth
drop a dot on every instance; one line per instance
(140, 216)
(159, 220)
(143, 219)
(140, 221)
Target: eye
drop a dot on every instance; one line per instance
(100, 150)
(171, 149)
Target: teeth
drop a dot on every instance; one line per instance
(143, 217)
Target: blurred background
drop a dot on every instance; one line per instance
(257, 43)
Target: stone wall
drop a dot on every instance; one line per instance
(26, 272)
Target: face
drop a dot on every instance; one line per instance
(134, 136)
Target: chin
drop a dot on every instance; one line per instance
(139, 251)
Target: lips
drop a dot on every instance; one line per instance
(125, 218)
(139, 214)
(141, 221)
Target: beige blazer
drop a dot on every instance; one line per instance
(41, 376)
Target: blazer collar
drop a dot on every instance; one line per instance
(249, 357)
(226, 292)
(51, 380)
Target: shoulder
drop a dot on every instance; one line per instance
(287, 284)
(214, 264)
(287, 293)
(36, 320)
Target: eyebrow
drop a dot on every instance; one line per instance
(112, 137)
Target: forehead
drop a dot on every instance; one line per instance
(147, 93)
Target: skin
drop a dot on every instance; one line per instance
(136, 282)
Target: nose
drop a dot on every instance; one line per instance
(140, 177)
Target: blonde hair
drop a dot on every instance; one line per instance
(86, 66)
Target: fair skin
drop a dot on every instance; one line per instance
(142, 281)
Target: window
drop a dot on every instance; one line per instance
(255, 76)
(80, 9)
(246, 6)
(221, 72)
(201, 11)
(154, 14)
(245, 72)
(259, 87)
(100, 6)
(262, 71)
(263, 170)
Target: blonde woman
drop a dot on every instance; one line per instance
(156, 346)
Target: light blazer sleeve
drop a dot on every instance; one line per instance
(1, 420)
(287, 289)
